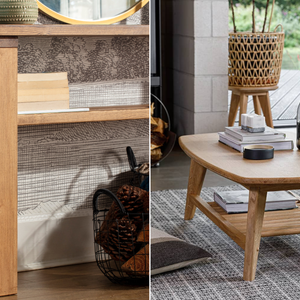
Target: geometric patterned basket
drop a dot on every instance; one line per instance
(255, 58)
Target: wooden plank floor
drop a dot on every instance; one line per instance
(75, 282)
(284, 100)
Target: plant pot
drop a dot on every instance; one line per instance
(255, 59)
(18, 11)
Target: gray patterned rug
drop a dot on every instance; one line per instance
(278, 270)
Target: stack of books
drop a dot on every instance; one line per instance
(237, 201)
(237, 138)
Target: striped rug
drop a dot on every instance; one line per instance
(278, 270)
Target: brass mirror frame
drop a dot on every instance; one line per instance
(105, 21)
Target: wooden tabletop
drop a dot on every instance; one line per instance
(283, 169)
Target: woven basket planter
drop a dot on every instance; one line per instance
(18, 11)
(255, 58)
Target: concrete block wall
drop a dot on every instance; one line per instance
(195, 36)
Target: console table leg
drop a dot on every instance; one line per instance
(256, 209)
(196, 178)
(9, 165)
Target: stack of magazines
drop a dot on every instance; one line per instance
(237, 201)
(237, 138)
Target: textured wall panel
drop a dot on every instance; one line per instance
(67, 163)
(86, 59)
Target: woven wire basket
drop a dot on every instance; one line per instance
(121, 240)
(255, 59)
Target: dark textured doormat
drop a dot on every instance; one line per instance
(278, 270)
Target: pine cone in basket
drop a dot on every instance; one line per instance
(119, 240)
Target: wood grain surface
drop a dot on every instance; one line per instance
(9, 170)
(281, 172)
(73, 30)
(94, 115)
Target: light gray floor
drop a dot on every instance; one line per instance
(173, 172)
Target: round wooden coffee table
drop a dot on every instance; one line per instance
(280, 173)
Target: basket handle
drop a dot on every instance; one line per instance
(166, 111)
(279, 25)
(111, 195)
(131, 159)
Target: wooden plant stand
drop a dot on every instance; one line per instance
(261, 100)
(259, 177)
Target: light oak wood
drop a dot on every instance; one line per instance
(280, 173)
(261, 99)
(74, 30)
(257, 107)
(218, 219)
(196, 178)
(233, 110)
(256, 209)
(8, 42)
(9, 169)
(94, 115)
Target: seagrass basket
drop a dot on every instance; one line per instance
(255, 58)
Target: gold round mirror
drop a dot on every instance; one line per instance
(90, 11)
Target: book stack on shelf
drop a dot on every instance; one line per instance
(237, 201)
(238, 138)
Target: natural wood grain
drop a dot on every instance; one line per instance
(77, 282)
(233, 110)
(243, 106)
(44, 105)
(94, 115)
(73, 30)
(9, 169)
(266, 108)
(218, 219)
(256, 209)
(257, 108)
(279, 173)
(196, 178)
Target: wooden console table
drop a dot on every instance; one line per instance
(9, 121)
(259, 177)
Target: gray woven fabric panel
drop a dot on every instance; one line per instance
(114, 93)
(141, 17)
(68, 163)
(86, 59)
(278, 267)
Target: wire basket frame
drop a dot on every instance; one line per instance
(255, 59)
(121, 240)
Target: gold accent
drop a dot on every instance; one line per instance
(116, 19)
(259, 147)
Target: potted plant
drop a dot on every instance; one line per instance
(255, 57)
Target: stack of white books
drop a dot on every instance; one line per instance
(237, 138)
(237, 201)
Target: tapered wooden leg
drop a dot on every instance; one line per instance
(9, 165)
(196, 178)
(257, 107)
(256, 209)
(243, 106)
(233, 110)
(266, 108)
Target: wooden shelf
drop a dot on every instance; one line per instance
(279, 222)
(73, 30)
(94, 115)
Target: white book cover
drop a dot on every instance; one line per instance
(243, 135)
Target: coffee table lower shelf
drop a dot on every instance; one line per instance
(280, 222)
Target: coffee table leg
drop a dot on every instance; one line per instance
(256, 210)
(196, 178)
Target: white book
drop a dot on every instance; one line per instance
(279, 144)
(53, 111)
(245, 136)
(237, 201)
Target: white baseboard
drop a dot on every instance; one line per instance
(54, 235)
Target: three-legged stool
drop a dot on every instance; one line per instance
(261, 100)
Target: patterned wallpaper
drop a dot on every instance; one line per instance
(67, 163)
